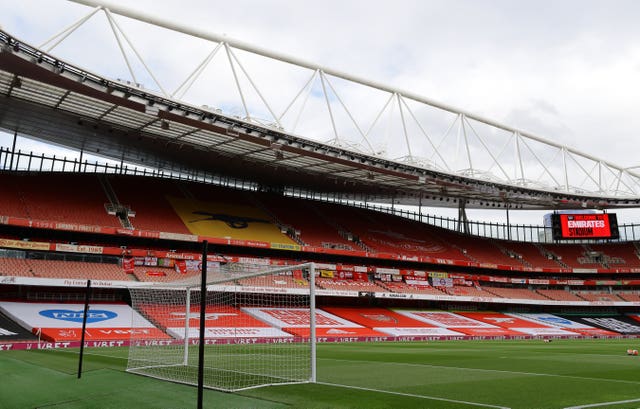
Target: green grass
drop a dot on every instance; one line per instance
(456, 374)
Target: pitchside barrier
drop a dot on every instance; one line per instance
(35, 345)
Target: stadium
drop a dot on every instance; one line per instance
(264, 251)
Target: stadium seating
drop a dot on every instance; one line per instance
(481, 250)
(80, 199)
(20, 267)
(16, 267)
(345, 220)
(559, 295)
(530, 254)
(385, 233)
(85, 270)
(148, 199)
(596, 296)
(62, 269)
(572, 255)
(464, 291)
(632, 296)
(299, 216)
(77, 199)
(618, 254)
(57, 197)
(12, 201)
(514, 293)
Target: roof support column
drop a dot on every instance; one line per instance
(13, 150)
(506, 206)
(463, 222)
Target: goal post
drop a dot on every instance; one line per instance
(259, 327)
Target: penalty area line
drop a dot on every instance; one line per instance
(595, 405)
(412, 395)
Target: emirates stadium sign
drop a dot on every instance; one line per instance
(584, 226)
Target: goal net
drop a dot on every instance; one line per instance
(259, 327)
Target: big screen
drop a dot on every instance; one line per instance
(584, 226)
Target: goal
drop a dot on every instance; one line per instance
(259, 327)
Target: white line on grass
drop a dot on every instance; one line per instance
(411, 395)
(582, 378)
(595, 405)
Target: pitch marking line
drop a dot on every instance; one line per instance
(411, 395)
(584, 378)
(595, 405)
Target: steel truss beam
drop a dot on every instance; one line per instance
(560, 168)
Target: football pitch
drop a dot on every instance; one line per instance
(590, 373)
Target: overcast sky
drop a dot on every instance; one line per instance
(568, 71)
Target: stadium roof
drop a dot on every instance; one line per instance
(52, 100)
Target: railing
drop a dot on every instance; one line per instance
(30, 162)
(502, 231)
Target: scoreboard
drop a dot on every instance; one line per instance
(584, 226)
